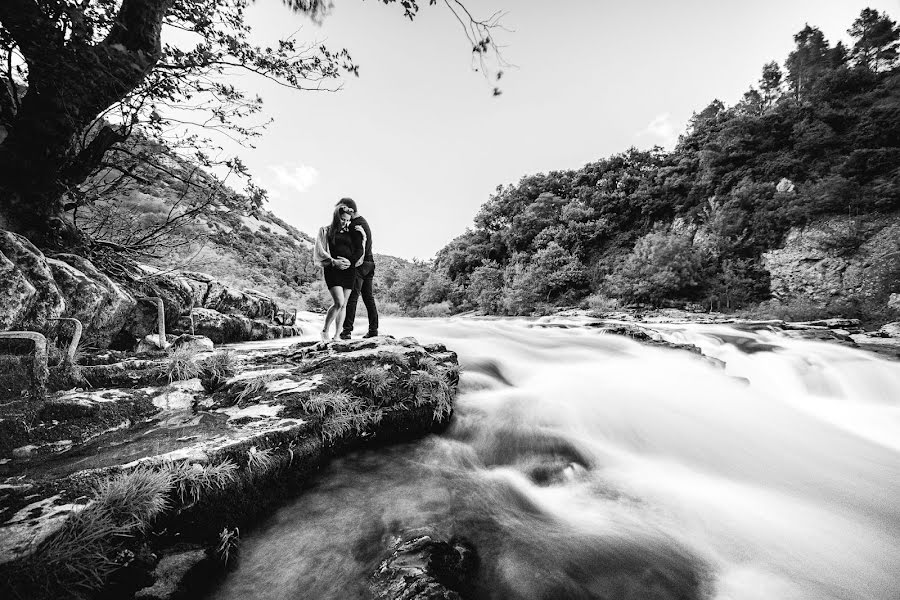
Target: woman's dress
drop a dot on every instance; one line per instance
(346, 244)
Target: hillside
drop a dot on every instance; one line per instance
(176, 216)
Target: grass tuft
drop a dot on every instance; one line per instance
(261, 461)
(253, 388)
(228, 544)
(374, 379)
(192, 480)
(352, 420)
(432, 388)
(335, 401)
(181, 365)
(216, 369)
(136, 497)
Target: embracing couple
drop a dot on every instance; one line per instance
(344, 250)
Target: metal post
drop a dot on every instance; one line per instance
(160, 320)
(78, 328)
(39, 370)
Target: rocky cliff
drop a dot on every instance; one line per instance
(839, 261)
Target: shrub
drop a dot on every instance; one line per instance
(440, 309)
(181, 365)
(600, 303)
(216, 369)
(661, 265)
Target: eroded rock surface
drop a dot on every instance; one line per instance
(265, 422)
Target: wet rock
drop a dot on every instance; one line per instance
(262, 427)
(170, 575)
(199, 284)
(193, 343)
(836, 323)
(421, 566)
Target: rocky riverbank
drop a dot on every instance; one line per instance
(648, 327)
(121, 303)
(142, 489)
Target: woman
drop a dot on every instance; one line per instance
(338, 248)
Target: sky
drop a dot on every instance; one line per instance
(420, 141)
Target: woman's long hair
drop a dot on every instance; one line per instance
(335, 226)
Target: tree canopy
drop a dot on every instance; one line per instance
(818, 135)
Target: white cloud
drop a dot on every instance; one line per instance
(299, 177)
(664, 129)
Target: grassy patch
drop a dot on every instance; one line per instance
(181, 365)
(261, 461)
(374, 379)
(81, 555)
(342, 413)
(135, 498)
(253, 388)
(216, 369)
(193, 480)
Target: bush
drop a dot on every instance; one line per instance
(440, 309)
(600, 303)
(661, 266)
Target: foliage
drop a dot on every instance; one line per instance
(374, 379)
(134, 498)
(661, 265)
(252, 388)
(181, 365)
(260, 461)
(228, 544)
(215, 369)
(192, 480)
(79, 556)
(827, 120)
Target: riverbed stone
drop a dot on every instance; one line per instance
(266, 428)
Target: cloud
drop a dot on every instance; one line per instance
(299, 177)
(664, 129)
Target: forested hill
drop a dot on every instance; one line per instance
(817, 136)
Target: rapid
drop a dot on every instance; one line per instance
(586, 465)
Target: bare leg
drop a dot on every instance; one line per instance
(336, 308)
(339, 320)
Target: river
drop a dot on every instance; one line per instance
(584, 465)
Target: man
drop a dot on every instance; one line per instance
(365, 273)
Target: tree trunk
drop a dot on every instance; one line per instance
(70, 82)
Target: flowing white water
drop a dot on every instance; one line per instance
(584, 465)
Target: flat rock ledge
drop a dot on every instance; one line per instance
(143, 491)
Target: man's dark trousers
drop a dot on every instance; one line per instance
(362, 286)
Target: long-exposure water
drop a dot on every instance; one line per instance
(584, 465)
